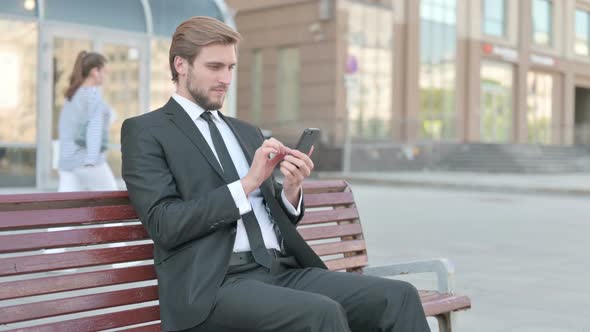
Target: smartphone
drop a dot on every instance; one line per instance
(307, 139)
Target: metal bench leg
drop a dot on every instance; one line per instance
(444, 322)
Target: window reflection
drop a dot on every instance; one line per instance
(22, 8)
(18, 99)
(542, 22)
(437, 69)
(161, 85)
(494, 17)
(370, 43)
(582, 30)
(539, 107)
(256, 106)
(496, 102)
(288, 89)
(121, 92)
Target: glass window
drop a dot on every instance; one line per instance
(288, 87)
(167, 15)
(496, 102)
(438, 39)
(370, 41)
(121, 92)
(539, 107)
(18, 103)
(19, 7)
(129, 15)
(582, 38)
(543, 22)
(256, 107)
(494, 17)
(161, 85)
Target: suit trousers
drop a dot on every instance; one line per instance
(287, 298)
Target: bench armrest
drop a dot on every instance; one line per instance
(444, 269)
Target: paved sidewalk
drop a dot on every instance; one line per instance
(559, 184)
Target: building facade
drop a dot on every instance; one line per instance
(39, 41)
(414, 72)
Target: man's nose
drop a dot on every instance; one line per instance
(225, 76)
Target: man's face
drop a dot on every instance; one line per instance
(210, 75)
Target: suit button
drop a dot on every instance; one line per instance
(233, 230)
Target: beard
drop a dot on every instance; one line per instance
(202, 99)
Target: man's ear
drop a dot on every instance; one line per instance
(181, 65)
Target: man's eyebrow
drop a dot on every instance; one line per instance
(219, 63)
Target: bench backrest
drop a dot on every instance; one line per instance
(66, 257)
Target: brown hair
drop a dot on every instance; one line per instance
(85, 62)
(198, 31)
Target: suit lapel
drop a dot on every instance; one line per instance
(181, 119)
(294, 243)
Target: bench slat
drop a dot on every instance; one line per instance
(15, 220)
(326, 232)
(100, 322)
(89, 196)
(331, 199)
(71, 238)
(69, 282)
(431, 295)
(318, 217)
(146, 328)
(445, 303)
(339, 247)
(75, 259)
(20, 199)
(328, 186)
(37, 310)
(347, 263)
(308, 187)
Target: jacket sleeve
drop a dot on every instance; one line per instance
(294, 219)
(169, 219)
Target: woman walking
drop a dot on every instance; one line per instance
(83, 129)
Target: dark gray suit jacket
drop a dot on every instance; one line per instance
(179, 191)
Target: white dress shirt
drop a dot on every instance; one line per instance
(254, 201)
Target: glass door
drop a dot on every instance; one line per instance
(539, 115)
(122, 88)
(18, 103)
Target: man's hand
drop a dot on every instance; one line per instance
(262, 165)
(296, 166)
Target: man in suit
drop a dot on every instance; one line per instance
(226, 252)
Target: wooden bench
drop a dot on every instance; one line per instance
(83, 262)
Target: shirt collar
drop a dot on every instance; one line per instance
(193, 110)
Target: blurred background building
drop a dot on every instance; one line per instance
(483, 85)
(486, 85)
(39, 41)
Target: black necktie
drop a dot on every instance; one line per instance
(261, 255)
